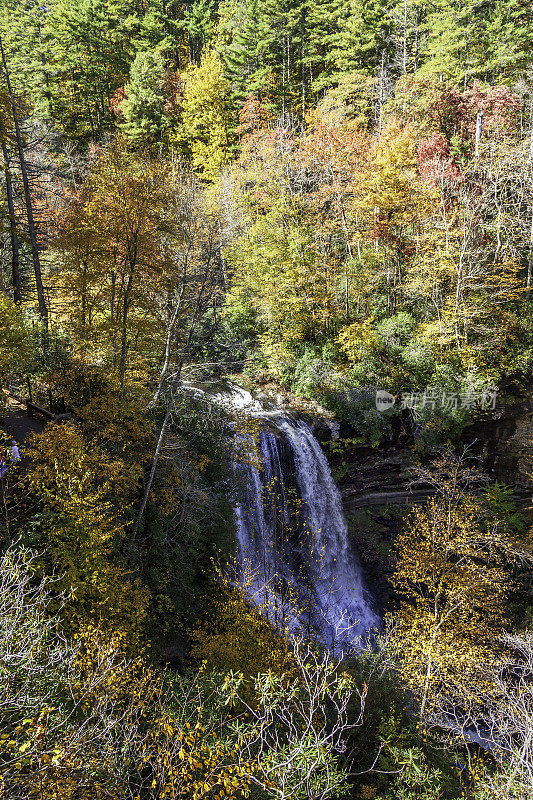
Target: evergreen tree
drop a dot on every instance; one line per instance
(27, 44)
(510, 33)
(282, 40)
(198, 24)
(352, 36)
(487, 40)
(267, 48)
(90, 58)
(143, 107)
(364, 36)
(407, 18)
(449, 48)
(27, 189)
(326, 18)
(70, 56)
(241, 42)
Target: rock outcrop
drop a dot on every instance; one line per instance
(503, 442)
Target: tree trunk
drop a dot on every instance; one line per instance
(479, 130)
(124, 334)
(163, 431)
(43, 310)
(168, 350)
(15, 250)
(530, 260)
(404, 58)
(304, 87)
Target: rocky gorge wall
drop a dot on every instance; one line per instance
(378, 486)
(375, 476)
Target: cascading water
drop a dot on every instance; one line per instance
(295, 558)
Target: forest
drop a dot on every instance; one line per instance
(266, 428)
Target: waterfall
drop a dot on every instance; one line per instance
(295, 558)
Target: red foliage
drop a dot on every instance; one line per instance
(173, 91)
(450, 116)
(447, 111)
(500, 107)
(435, 162)
(94, 152)
(116, 101)
(252, 116)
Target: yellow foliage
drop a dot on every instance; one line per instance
(452, 587)
(81, 526)
(241, 640)
(15, 344)
(116, 421)
(110, 259)
(356, 339)
(391, 193)
(205, 114)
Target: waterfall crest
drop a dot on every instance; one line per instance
(295, 559)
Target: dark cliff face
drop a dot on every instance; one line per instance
(378, 486)
(367, 476)
(505, 443)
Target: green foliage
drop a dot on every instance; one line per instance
(353, 233)
(388, 353)
(502, 506)
(15, 342)
(360, 412)
(242, 46)
(239, 315)
(310, 374)
(198, 22)
(466, 39)
(437, 426)
(70, 58)
(417, 780)
(143, 106)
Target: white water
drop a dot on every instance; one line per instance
(295, 558)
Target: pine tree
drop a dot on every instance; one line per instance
(70, 56)
(363, 37)
(143, 107)
(353, 36)
(90, 52)
(510, 35)
(198, 24)
(407, 19)
(267, 48)
(467, 40)
(27, 44)
(28, 198)
(326, 18)
(449, 46)
(242, 46)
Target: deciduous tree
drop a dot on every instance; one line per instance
(452, 584)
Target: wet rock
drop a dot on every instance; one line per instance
(505, 445)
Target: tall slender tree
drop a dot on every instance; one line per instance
(34, 246)
(13, 225)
